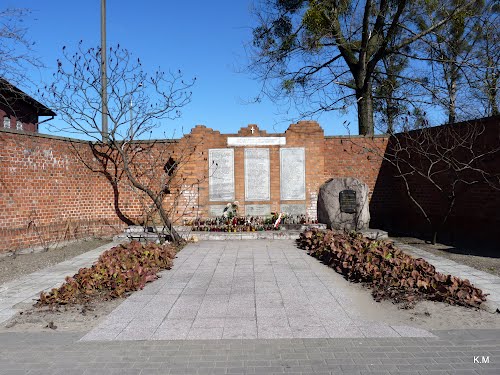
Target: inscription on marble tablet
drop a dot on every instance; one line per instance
(221, 174)
(293, 209)
(216, 210)
(257, 174)
(256, 141)
(257, 209)
(293, 170)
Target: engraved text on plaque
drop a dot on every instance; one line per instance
(216, 210)
(293, 170)
(347, 200)
(257, 174)
(221, 174)
(293, 209)
(257, 209)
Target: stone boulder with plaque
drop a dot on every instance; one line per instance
(343, 204)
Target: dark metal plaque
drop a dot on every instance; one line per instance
(347, 200)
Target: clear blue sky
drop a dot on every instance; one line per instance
(204, 39)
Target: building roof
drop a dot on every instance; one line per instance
(10, 93)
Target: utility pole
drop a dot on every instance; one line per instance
(130, 132)
(104, 79)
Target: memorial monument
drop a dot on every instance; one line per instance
(343, 204)
(264, 173)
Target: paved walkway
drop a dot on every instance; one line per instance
(245, 289)
(27, 288)
(212, 286)
(451, 352)
(487, 282)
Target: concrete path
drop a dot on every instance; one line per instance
(487, 282)
(468, 352)
(244, 289)
(27, 288)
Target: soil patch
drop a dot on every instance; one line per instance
(17, 265)
(425, 314)
(68, 318)
(460, 255)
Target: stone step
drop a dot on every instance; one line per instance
(374, 234)
(139, 233)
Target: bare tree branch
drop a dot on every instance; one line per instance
(138, 102)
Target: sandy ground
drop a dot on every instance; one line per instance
(487, 262)
(426, 314)
(13, 266)
(63, 318)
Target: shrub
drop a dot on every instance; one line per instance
(118, 271)
(390, 272)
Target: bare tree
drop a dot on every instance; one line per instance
(443, 162)
(449, 52)
(449, 159)
(389, 101)
(17, 57)
(16, 49)
(485, 71)
(138, 102)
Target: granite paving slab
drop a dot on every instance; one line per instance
(488, 283)
(26, 289)
(244, 289)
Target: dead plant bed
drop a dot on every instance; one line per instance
(117, 272)
(390, 272)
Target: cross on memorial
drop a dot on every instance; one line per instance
(252, 129)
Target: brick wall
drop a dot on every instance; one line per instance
(306, 134)
(361, 157)
(46, 193)
(476, 214)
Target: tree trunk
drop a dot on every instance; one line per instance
(494, 107)
(365, 110)
(493, 93)
(452, 104)
(156, 198)
(116, 200)
(434, 237)
(391, 116)
(106, 162)
(166, 220)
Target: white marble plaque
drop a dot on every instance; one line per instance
(293, 173)
(256, 141)
(257, 174)
(216, 210)
(293, 209)
(257, 209)
(221, 174)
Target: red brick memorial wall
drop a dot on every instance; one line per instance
(47, 194)
(475, 216)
